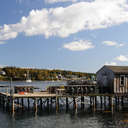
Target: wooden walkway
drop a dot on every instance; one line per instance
(71, 96)
(41, 98)
(48, 95)
(29, 95)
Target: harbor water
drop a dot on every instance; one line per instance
(82, 119)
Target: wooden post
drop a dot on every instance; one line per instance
(112, 105)
(41, 103)
(57, 104)
(18, 101)
(116, 103)
(90, 101)
(3, 102)
(75, 104)
(94, 104)
(51, 102)
(67, 104)
(7, 104)
(82, 102)
(0, 99)
(118, 99)
(104, 102)
(13, 106)
(35, 103)
(48, 104)
(22, 102)
(122, 100)
(101, 102)
(109, 103)
(28, 103)
(96, 101)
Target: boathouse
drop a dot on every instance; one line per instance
(112, 79)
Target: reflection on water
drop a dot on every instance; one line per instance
(65, 120)
(46, 119)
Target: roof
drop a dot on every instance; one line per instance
(118, 69)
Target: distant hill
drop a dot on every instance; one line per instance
(40, 74)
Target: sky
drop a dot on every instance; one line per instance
(77, 35)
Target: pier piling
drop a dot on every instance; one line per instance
(28, 103)
(35, 104)
(13, 106)
(67, 106)
(68, 100)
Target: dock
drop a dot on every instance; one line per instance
(54, 95)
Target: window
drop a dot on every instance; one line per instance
(122, 80)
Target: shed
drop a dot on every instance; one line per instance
(112, 79)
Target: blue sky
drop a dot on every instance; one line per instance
(77, 35)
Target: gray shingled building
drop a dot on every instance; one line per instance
(112, 79)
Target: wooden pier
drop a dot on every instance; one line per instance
(39, 99)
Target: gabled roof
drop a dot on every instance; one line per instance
(118, 69)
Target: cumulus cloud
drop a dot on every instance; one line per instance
(113, 43)
(2, 42)
(122, 58)
(8, 32)
(111, 63)
(64, 21)
(56, 1)
(80, 45)
(19, 1)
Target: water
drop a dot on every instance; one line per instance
(83, 119)
(40, 84)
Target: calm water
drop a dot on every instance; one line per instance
(83, 119)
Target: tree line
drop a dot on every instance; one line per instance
(20, 74)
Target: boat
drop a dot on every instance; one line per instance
(28, 79)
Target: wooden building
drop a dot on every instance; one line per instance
(113, 79)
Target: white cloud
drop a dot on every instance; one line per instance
(19, 1)
(79, 45)
(121, 44)
(56, 1)
(8, 32)
(1, 42)
(64, 21)
(122, 58)
(110, 43)
(111, 63)
(113, 43)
